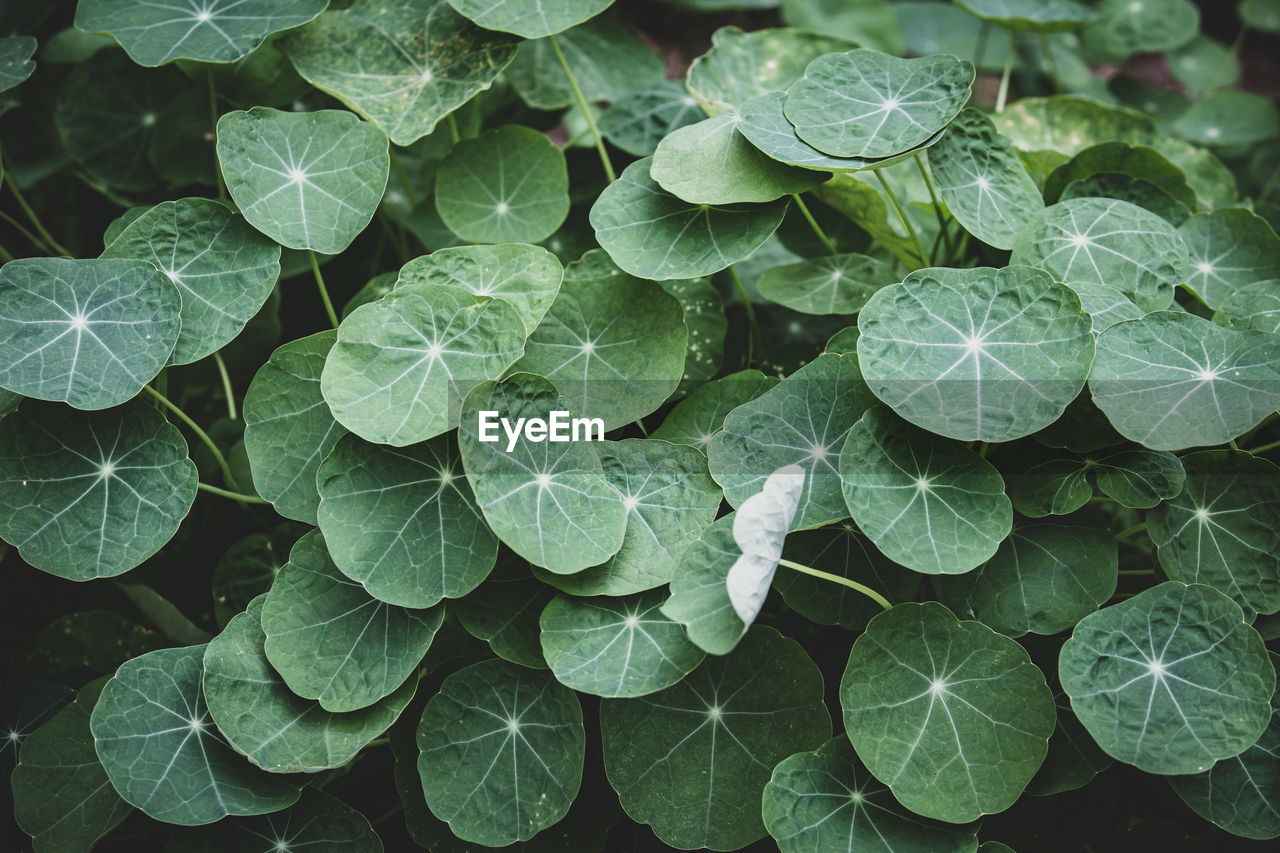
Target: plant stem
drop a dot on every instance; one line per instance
(902, 217)
(324, 291)
(226, 385)
(213, 115)
(1003, 94)
(1264, 448)
(753, 327)
(937, 205)
(962, 248)
(813, 223)
(200, 434)
(235, 496)
(854, 585)
(35, 241)
(6, 255)
(1132, 531)
(1052, 64)
(404, 179)
(1136, 572)
(453, 128)
(586, 111)
(31, 214)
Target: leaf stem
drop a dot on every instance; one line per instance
(902, 217)
(586, 111)
(852, 584)
(937, 205)
(226, 385)
(213, 115)
(404, 179)
(753, 326)
(1003, 94)
(1135, 572)
(1264, 448)
(35, 241)
(235, 496)
(6, 255)
(324, 291)
(1131, 531)
(813, 223)
(200, 434)
(453, 128)
(12, 184)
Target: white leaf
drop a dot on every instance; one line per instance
(759, 529)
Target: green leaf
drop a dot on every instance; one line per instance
(868, 22)
(705, 319)
(669, 498)
(803, 421)
(1173, 380)
(899, 480)
(1133, 477)
(402, 64)
(866, 207)
(1043, 579)
(88, 495)
(1124, 27)
(650, 233)
(1137, 191)
(1229, 117)
(1170, 680)
(607, 59)
(331, 641)
(982, 181)
(223, 269)
(1073, 760)
(402, 365)
(206, 30)
(317, 823)
(637, 122)
(61, 795)
(1105, 241)
(1035, 16)
(1230, 249)
(612, 344)
(1255, 306)
(1105, 305)
(508, 185)
(616, 647)
(549, 502)
(153, 735)
(697, 418)
(248, 567)
(952, 716)
(762, 121)
(1223, 529)
(1238, 794)
(309, 180)
(531, 20)
(834, 284)
(741, 66)
(16, 63)
(403, 522)
(983, 354)
(289, 429)
(1204, 63)
(504, 612)
(693, 760)
(1261, 15)
(526, 276)
(869, 104)
(805, 806)
(502, 750)
(87, 332)
(699, 593)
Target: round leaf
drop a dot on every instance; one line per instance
(1032, 15)
(504, 612)
(698, 417)
(531, 20)
(607, 60)
(763, 122)
(16, 64)
(741, 66)
(317, 823)
(1230, 249)
(1124, 27)
(834, 284)
(1105, 305)
(1229, 117)
(700, 593)
(637, 122)
(1255, 306)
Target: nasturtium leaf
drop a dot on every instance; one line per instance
(983, 354)
(616, 351)
(1107, 241)
(805, 806)
(1131, 476)
(637, 122)
(712, 163)
(248, 567)
(87, 495)
(402, 64)
(309, 180)
(1230, 249)
(741, 66)
(550, 502)
(1255, 306)
(403, 522)
(759, 528)
(801, 421)
(288, 426)
(1261, 15)
(501, 752)
(697, 418)
(899, 480)
(1124, 27)
(869, 104)
(982, 181)
(206, 30)
(1239, 794)
(650, 233)
(1044, 579)
(1137, 191)
(1172, 380)
(762, 121)
(531, 20)
(1223, 529)
(1052, 487)
(62, 797)
(699, 592)
(1106, 305)
(8, 402)
(25, 708)
(975, 753)
(153, 734)
(1073, 760)
(262, 719)
(223, 269)
(526, 276)
(331, 641)
(693, 760)
(508, 185)
(1170, 680)
(504, 612)
(317, 823)
(616, 647)
(607, 60)
(87, 332)
(16, 63)
(669, 498)
(1032, 15)
(1204, 63)
(832, 284)
(705, 319)
(867, 208)
(402, 365)
(1229, 117)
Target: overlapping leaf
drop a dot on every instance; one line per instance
(741, 66)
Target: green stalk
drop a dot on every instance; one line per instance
(813, 223)
(753, 327)
(902, 217)
(31, 214)
(453, 128)
(1130, 532)
(1265, 448)
(324, 291)
(1003, 95)
(1136, 572)
(235, 496)
(937, 205)
(213, 115)
(586, 111)
(226, 385)
(827, 576)
(200, 434)
(35, 241)
(6, 255)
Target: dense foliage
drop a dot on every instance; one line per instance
(937, 348)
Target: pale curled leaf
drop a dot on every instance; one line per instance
(759, 528)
